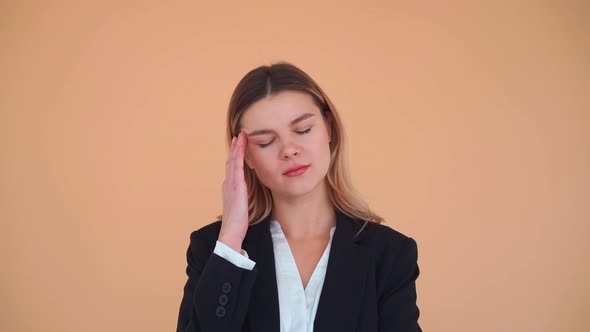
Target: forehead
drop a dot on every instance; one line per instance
(278, 109)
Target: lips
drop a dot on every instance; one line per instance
(294, 168)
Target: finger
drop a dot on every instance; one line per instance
(229, 164)
(231, 147)
(235, 147)
(240, 157)
(236, 158)
(243, 147)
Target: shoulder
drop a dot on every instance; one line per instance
(388, 245)
(206, 236)
(382, 235)
(210, 230)
(393, 253)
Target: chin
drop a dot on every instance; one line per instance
(298, 189)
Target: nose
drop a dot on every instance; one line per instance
(289, 151)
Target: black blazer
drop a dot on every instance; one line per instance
(370, 282)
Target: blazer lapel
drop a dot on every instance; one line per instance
(344, 283)
(342, 291)
(263, 312)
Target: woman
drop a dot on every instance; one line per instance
(296, 248)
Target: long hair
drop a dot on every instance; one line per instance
(281, 76)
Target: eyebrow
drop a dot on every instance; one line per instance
(268, 131)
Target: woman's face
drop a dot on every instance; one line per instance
(284, 130)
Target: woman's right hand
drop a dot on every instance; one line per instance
(234, 223)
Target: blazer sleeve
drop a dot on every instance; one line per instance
(398, 310)
(217, 292)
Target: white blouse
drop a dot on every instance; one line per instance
(297, 306)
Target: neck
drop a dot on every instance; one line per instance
(305, 217)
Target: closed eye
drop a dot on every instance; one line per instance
(299, 132)
(304, 132)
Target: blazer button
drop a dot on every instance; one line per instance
(226, 287)
(223, 299)
(220, 312)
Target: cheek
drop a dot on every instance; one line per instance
(319, 147)
(265, 171)
(251, 152)
(257, 158)
(321, 153)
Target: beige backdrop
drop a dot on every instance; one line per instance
(468, 129)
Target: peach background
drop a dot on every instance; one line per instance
(468, 126)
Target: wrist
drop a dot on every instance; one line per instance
(233, 242)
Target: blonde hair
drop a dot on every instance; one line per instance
(268, 80)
